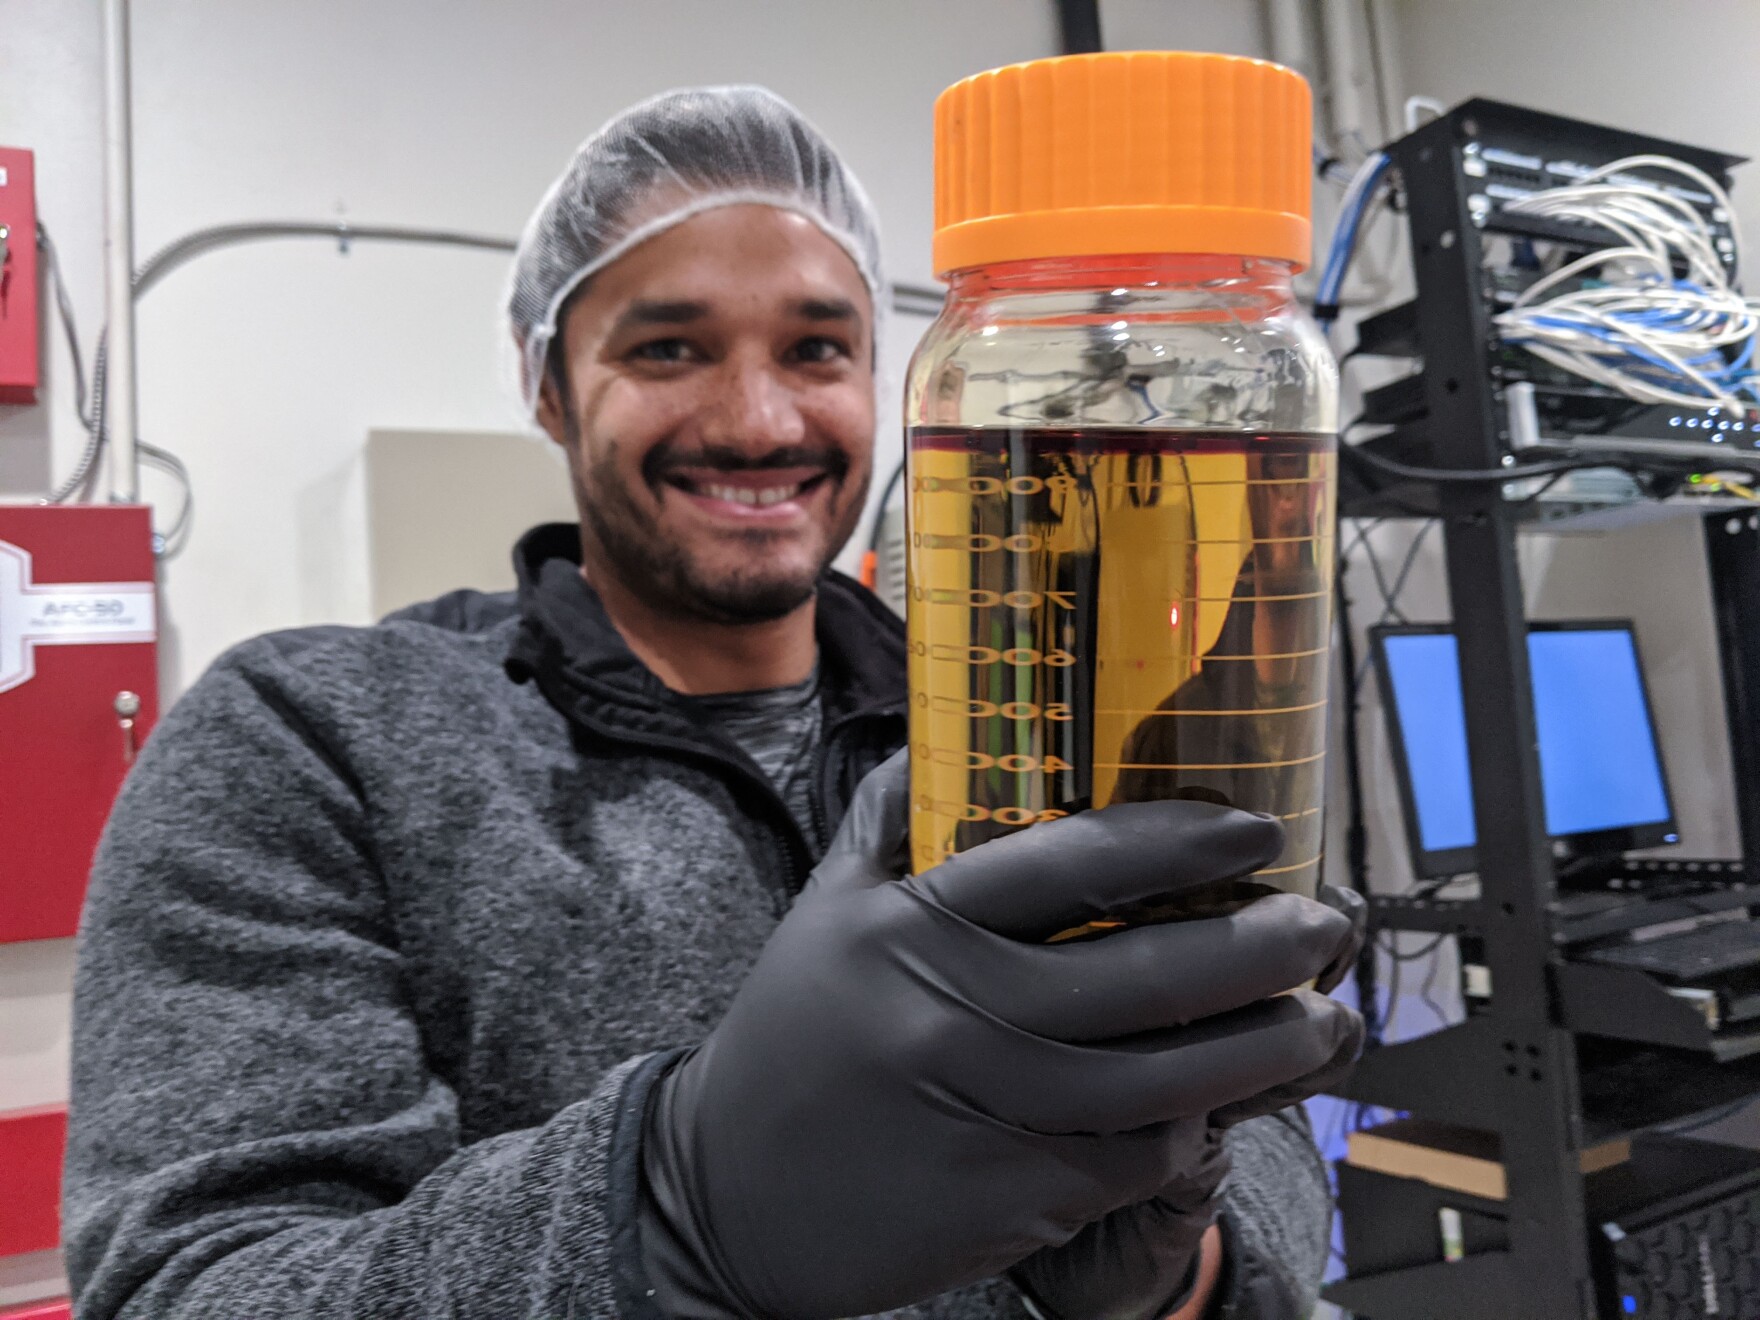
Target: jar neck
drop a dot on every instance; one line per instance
(1254, 276)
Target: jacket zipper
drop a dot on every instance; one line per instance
(817, 788)
(797, 850)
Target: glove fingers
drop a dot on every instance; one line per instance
(1355, 908)
(1131, 1167)
(873, 843)
(1065, 873)
(1130, 1264)
(1150, 978)
(1197, 1185)
(1255, 1050)
(1050, 1088)
(1323, 1079)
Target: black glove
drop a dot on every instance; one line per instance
(1140, 1262)
(911, 1091)
(1349, 903)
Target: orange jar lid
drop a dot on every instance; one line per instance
(1123, 152)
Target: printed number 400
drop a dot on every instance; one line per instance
(1014, 763)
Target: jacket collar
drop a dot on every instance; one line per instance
(568, 645)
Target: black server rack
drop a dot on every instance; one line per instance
(1564, 1055)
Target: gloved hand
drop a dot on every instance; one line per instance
(1139, 1262)
(1353, 906)
(911, 1091)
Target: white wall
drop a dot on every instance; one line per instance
(1683, 71)
(265, 366)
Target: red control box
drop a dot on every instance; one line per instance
(41, 1311)
(78, 695)
(31, 1145)
(19, 333)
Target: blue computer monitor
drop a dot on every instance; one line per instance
(1601, 772)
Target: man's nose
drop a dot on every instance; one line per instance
(755, 410)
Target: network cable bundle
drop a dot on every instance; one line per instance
(1607, 314)
(1621, 316)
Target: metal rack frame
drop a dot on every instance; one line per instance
(1515, 1065)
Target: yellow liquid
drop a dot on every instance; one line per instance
(1118, 615)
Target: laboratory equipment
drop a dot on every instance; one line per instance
(1121, 455)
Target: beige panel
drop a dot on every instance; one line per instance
(36, 1009)
(35, 1277)
(444, 509)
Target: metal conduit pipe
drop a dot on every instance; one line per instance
(905, 299)
(119, 391)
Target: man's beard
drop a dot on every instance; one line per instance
(663, 573)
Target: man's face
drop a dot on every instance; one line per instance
(719, 420)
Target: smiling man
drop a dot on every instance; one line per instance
(715, 397)
(498, 961)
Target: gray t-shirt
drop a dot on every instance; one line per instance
(779, 728)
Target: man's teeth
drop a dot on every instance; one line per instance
(756, 498)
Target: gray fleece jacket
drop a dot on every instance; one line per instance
(388, 937)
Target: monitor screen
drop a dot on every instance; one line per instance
(1601, 773)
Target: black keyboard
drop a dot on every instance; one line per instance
(1712, 950)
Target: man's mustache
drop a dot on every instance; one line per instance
(664, 459)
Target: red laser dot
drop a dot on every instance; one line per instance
(1173, 615)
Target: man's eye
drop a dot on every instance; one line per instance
(665, 350)
(820, 348)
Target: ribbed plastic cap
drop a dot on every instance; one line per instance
(1123, 152)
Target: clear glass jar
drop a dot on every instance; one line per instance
(1121, 509)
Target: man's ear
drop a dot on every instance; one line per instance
(552, 410)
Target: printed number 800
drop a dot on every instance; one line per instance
(984, 598)
(1022, 485)
(989, 655)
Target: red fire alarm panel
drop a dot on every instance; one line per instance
(61, 1310)
(18, 276)
(78, 694)
(31, 1144)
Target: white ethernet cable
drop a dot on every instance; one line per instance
(1634, 325)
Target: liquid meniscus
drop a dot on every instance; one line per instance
(1118, 615)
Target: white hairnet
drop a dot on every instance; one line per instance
(659, 163)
